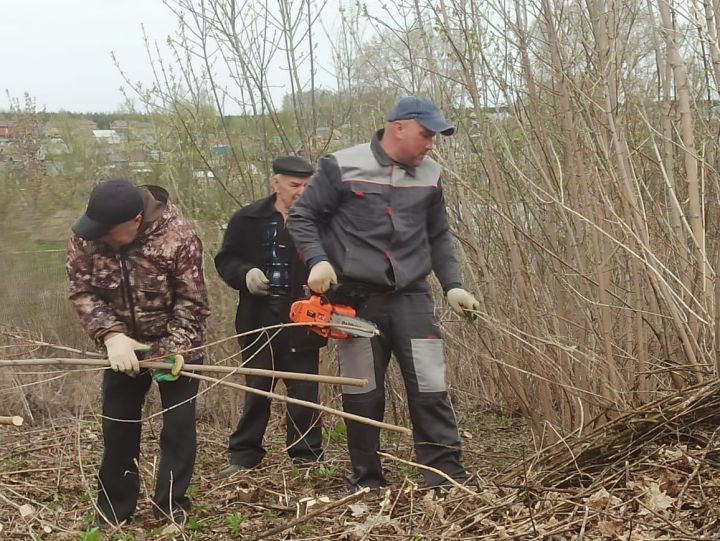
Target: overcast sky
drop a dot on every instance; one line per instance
(59, 50)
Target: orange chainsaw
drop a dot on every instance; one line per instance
(330, 320)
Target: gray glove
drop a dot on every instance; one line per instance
(121, 352)
(256, 282)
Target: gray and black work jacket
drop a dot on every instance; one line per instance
(378, 222)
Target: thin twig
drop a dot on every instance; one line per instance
(313, 405)
(434, 470)
(275, 374)
(347, 499)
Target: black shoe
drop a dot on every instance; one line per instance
(230, 470)
(441, 490)
(304, 462)
(180, 516)
(353, 487)
(177, 523)
(102, 525)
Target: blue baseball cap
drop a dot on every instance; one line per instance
(422, 110)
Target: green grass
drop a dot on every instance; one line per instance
(200, 508)
(467, 420)
(93, 534)
(13, 463)
(327, 471)
(337, 434)
(234, 522)
(195, 524)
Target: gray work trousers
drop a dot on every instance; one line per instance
(409, 330)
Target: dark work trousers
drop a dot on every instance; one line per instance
(303, 429)
(118, 480)
(409, 329)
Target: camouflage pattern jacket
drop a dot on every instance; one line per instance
(152, 289)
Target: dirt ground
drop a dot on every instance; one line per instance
(650, 474)
(47, 480)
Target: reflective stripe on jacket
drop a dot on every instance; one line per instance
(376, 221)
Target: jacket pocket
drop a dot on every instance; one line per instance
(153, 293)
(367, 207)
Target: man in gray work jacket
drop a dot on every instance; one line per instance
(373, 217)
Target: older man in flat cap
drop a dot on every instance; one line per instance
(258, 258)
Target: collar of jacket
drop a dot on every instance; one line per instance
(262, 208)
(382, 157)
(155, 201)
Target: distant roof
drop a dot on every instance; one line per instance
(105, 133)
(6, 123)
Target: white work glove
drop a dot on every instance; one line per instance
(461, 300)
(121, 353)
(256, 282)
(321, 276)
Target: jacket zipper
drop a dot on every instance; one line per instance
(127, 293)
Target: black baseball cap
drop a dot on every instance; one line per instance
(294, 166)
(112, 202)
(422, 110)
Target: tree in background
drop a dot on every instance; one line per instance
(24, 164)
(582, 180)
(574, 123)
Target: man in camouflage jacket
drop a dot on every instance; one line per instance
(136, 281)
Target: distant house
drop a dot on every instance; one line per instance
(118, 162)
(6, 128)
(119, 125)
(137, 162)
(108, 136)
(52, 131)
(89, 125)
(56, 146)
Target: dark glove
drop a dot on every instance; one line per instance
(172, 373)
